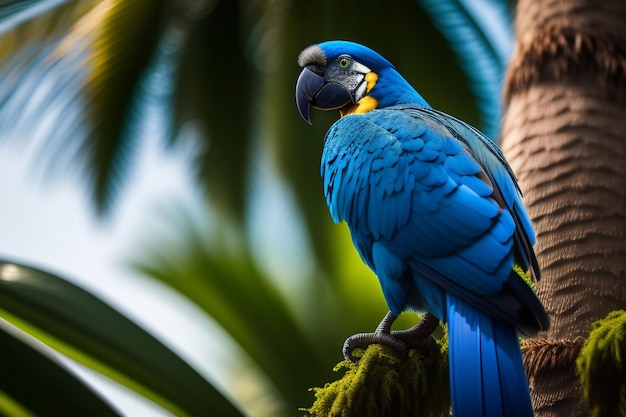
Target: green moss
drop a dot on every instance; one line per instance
(382, 384)
(525, 276)
(601, 366)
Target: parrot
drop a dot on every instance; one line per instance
(435, 211)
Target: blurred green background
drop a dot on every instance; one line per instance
(97, 93)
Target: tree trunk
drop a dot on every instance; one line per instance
(564, 133)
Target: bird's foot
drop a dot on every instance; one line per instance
(400, 341)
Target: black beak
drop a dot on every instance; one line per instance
(313, 90)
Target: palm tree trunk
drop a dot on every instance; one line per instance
(564, 133)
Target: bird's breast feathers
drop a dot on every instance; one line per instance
(400, 179)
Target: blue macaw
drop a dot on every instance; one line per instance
(434, 210)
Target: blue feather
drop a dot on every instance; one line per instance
(413, 145)
(485, 364)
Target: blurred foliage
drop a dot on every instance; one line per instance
(33, 384)
(78, 324)
(225, 72)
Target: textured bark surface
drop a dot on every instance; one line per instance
(564, 133)
(568, 148)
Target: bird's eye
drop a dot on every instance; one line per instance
(344, 62)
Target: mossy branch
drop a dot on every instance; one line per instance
(382, 384)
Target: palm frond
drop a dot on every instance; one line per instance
(29, 33)
(214, 98)
(33, 383)
(85, 328)
(480, 34)
(23, 22)
(71, 74)
(123, 36)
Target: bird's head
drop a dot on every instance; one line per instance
(349, 77)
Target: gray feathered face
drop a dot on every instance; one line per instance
(328, 85)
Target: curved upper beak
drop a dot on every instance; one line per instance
(313, 90)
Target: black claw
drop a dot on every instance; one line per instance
(416, 334)
(399, 341)
(385, 324)
(363, 340)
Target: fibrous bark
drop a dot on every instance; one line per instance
(564, 133)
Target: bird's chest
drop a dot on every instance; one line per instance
(368, 185)
(357, 170)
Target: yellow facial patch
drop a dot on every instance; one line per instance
(370, 79)
(366, 103)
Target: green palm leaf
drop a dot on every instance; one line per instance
(33, 384)
(86, 329)
(123, 36)
(89, 57)
(213, 101)
(29, 33)
(481, 53)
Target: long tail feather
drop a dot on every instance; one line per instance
(486, 372)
